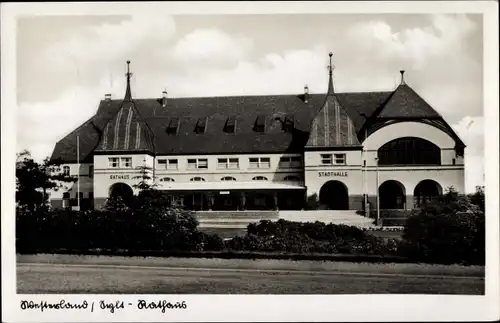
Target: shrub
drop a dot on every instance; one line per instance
(449, 230)
(212, 242)
(145, 228)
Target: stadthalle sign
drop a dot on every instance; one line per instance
(119, 176)
(332, 174)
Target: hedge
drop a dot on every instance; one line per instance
(449, 231)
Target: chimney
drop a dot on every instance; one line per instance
(164, 99)
(306, 94)
(107, 96)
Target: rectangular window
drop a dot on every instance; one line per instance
(173, 126)
(192, 163)
(162, 163)
(234, 163)
(91, 195)
(126, 162)
(260, 124)
(290, 162)
(201, 163)
(262, 162)
(326, 159)
(340, 159)
(222, 163)
(230, 126)
(228, 163)
(284, 162)
(172, 164)
(201, 126)
(296, 162)
(113, 162)
(254, 162)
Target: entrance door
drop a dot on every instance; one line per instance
(334, 196)
(392, 195)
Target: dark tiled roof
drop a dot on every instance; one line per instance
(406, 103)
(245, 110)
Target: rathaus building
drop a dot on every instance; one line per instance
(265, 152)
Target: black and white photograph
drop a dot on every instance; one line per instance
(207, 151)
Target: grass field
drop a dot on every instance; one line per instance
(94, 274)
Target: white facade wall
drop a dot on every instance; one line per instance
(316, 174)
(358, 179)
(103, 179)
(74, 169)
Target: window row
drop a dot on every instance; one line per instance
(259, 125)
(232, 179)
(333, 159)
(232, 163)
(120, 162)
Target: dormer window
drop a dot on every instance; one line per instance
(288, 123)
(201, 126)
(230, 126)
(260, 124)
(173, 126)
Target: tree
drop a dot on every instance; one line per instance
(34, 179)
(149, 196)
(450, 229)
(477, 198)
(145, 178)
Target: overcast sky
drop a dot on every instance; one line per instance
(66, 64)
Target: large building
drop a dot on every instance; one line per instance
(266, 152)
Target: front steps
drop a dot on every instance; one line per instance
(222, 221)
(233, 219)
(347, 217)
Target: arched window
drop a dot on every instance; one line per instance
(197, 179)
(228, 178)
(292, 178)
(409, 151)
(167, 179)
(66, 170)
(91, 171)
(259, 178)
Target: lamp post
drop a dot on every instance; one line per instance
(378, 197)
(365, 171)
(78, 170)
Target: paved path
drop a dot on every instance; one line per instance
(114, 275)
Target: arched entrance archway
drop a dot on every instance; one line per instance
(392, 195)
(334, 195)
(121, 190)
(426, 191)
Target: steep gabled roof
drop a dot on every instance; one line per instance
(126, 131)
(332, 126)
(406, 103)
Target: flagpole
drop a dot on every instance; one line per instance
(78, 170)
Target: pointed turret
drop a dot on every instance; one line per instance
(128, 93)
(126, 130)
(330, 80)
(332, 126)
